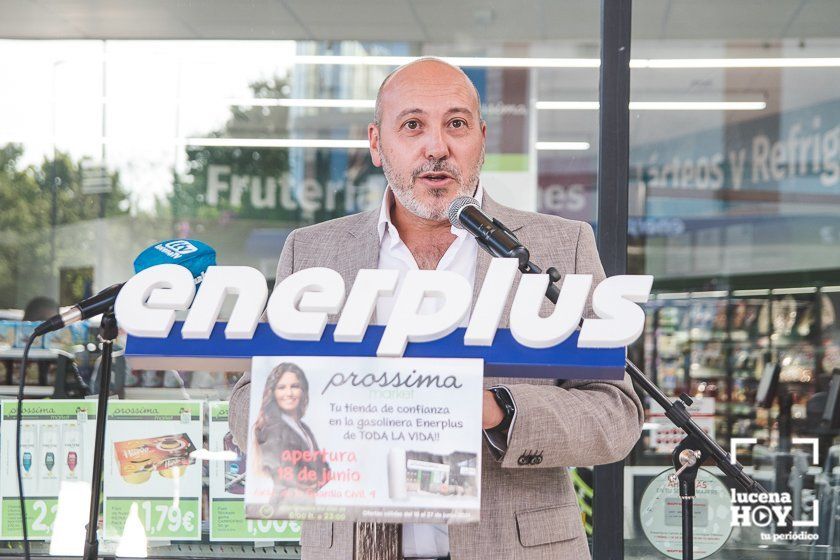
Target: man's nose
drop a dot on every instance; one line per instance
(436, 146)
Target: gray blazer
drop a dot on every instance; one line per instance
(529, 510)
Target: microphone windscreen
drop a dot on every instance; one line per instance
(455, 208)
(193, 255)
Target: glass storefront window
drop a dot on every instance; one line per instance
(734, 208)
(109, 146)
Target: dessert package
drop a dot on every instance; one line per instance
(168, 455)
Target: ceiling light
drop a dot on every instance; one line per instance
(709, 294)
(275, 143)
(567, 105)
(697, 105)
(673, 295)
(790, 291)
(538, 62)
(735, 63)
(567, 146)
(485, 62)
(739, 293)
(657, 105)
(265, 102)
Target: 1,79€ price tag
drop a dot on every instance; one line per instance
(161, 519)
(152, 479)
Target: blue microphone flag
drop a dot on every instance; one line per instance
(189, 253)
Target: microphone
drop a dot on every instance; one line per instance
(189, 253)
(492, 235)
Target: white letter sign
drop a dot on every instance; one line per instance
(147, 303)
(408, 325)
(526, 325)
(299, 305)
(251, 291)
(622, 321)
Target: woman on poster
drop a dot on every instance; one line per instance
(285, 445)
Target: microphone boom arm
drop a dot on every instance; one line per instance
(675, 411)
(696, 441)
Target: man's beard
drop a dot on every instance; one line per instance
(403, 187)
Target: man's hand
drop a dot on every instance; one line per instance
(492, 415)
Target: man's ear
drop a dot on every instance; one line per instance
(373, 139)
(484, 128)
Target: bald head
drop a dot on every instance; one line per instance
(421, 70)
(428, 137)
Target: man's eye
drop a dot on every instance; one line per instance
(412, 125)
(459, 123)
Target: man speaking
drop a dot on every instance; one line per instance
(428, 137)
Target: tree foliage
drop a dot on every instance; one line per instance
(270, 168)
(27, 214)
(188, 193)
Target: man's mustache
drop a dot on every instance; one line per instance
(439, 166)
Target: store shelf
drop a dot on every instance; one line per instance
(176, 393)
(34, 354)
(718, 347)
(28, 391)
(707, 373)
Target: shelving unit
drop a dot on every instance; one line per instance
(716, 343)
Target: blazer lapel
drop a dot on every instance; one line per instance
(363, 247)
(482, 263)
(358, 248)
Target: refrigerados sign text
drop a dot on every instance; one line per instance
(300, 305)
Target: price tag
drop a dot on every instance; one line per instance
(228, 467)
(40, 517)
(152, 475)
(161, 519)
(228, 523)
(56, 444)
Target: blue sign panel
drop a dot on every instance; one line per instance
(505, 358)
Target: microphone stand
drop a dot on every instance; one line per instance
(693, 450)
(108, 332)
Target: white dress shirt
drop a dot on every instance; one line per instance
(421, 540)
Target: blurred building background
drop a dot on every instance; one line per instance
(124, 123)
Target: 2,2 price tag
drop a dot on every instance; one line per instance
(161, 519)
(56, 443)
(40, 517)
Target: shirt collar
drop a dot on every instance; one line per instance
(384, 223)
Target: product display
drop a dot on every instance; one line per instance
(55, 439)
(7, 334)
(13, 334)
(169, 456)
(226, 509)
(150, 465)
(717, 346)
